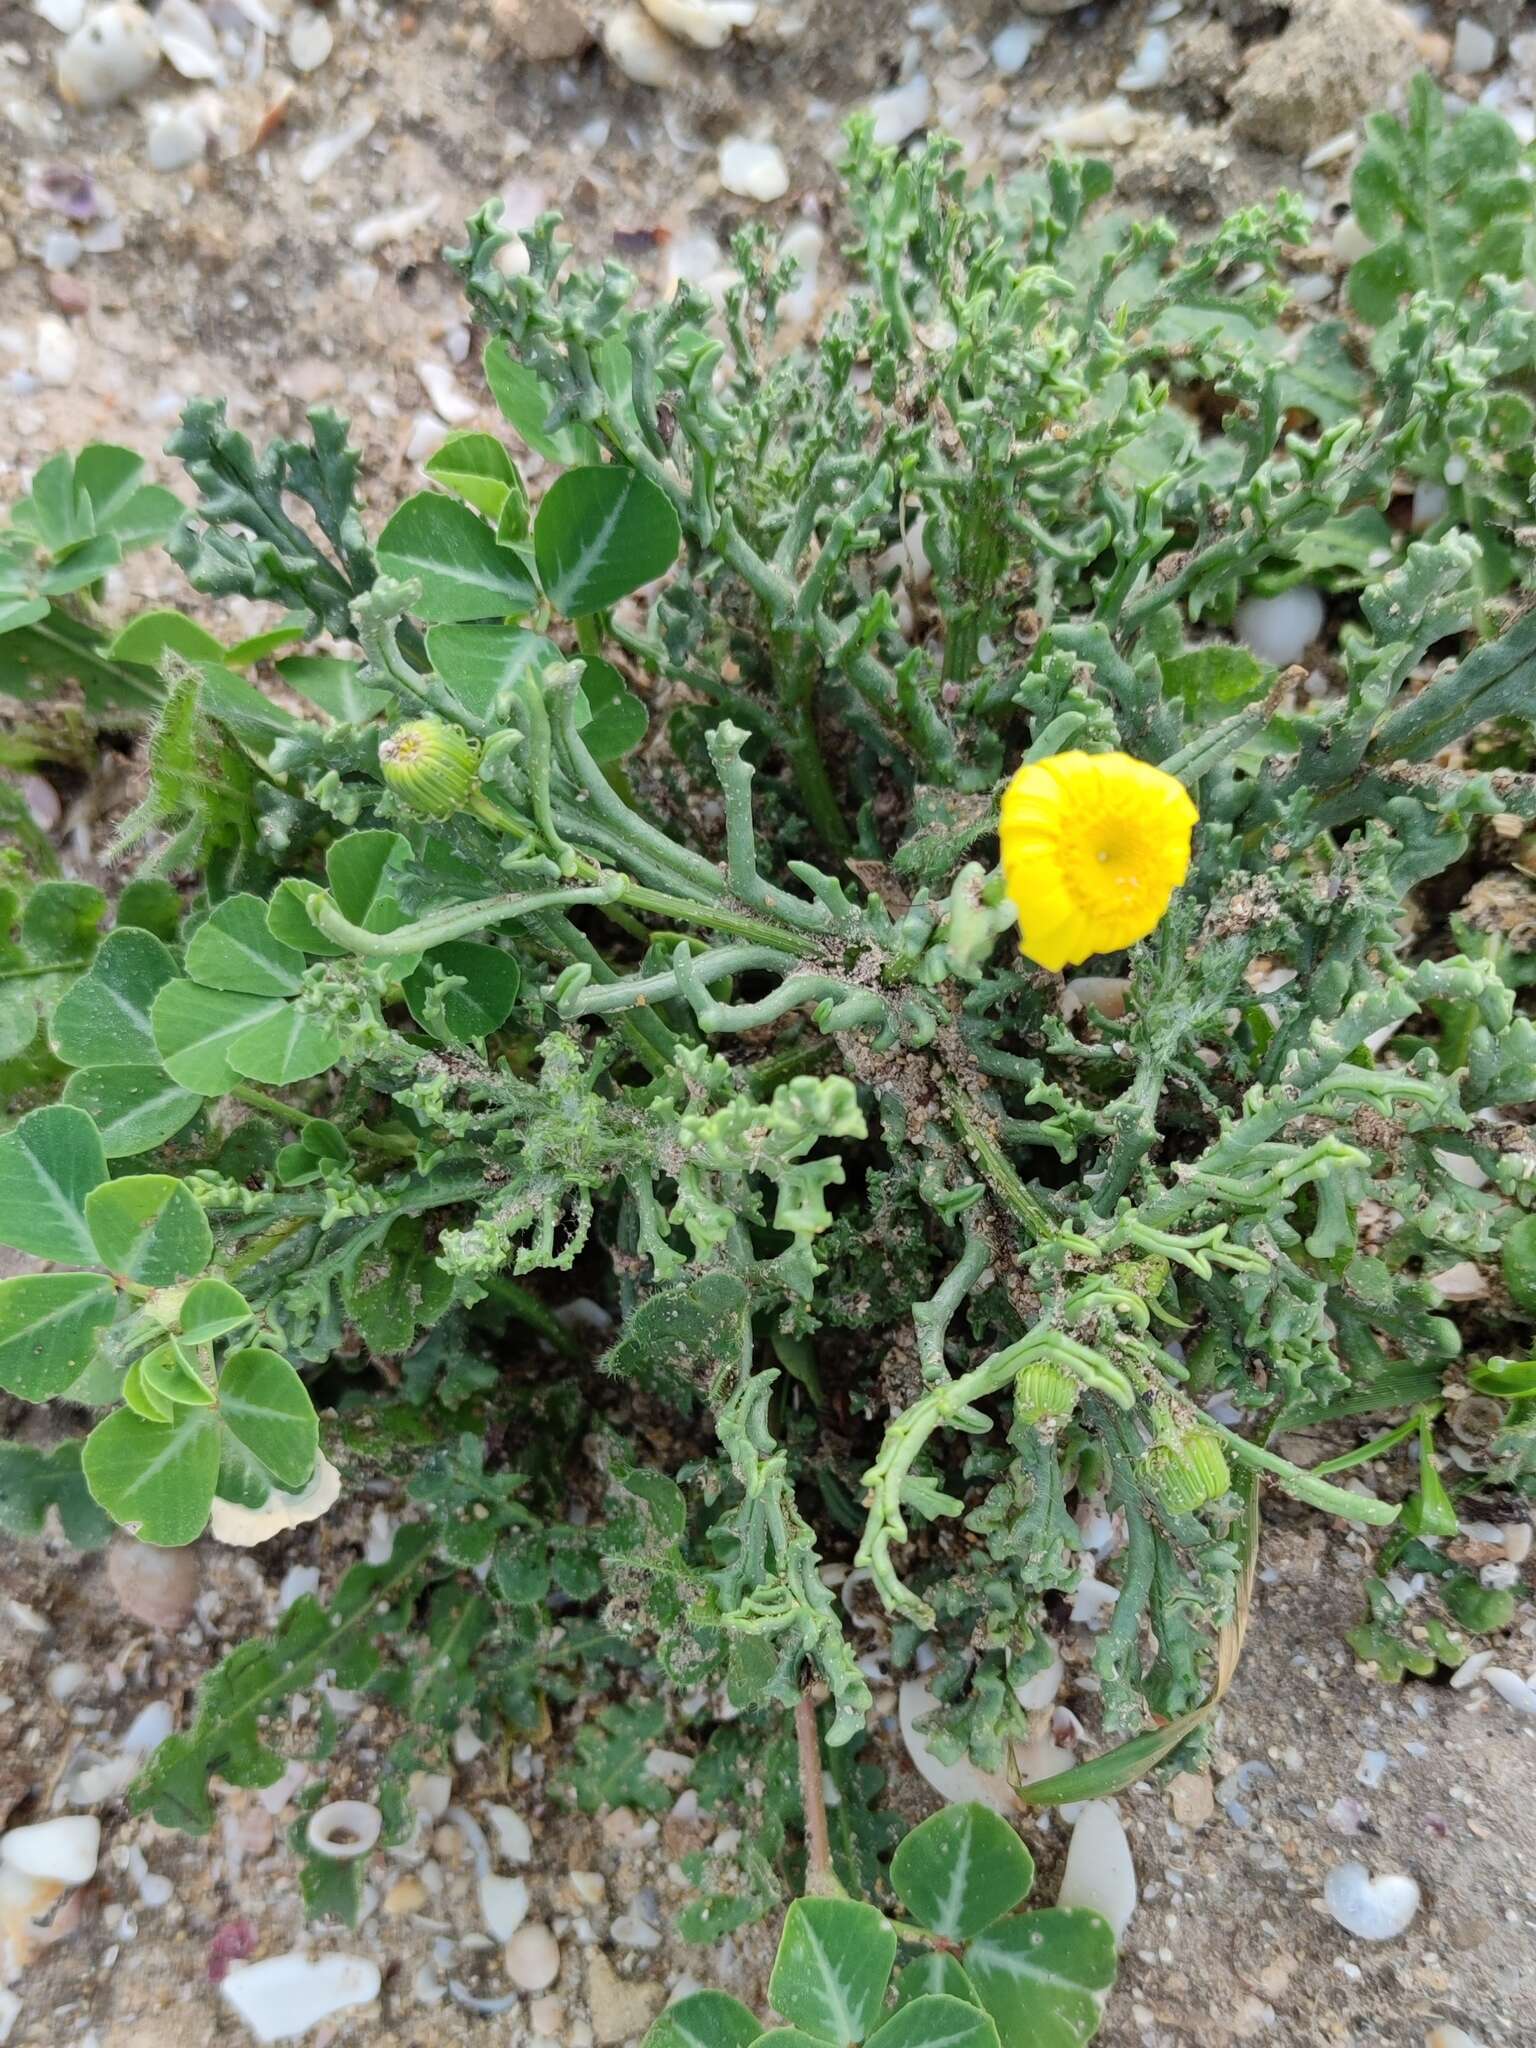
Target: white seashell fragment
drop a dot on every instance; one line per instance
(242, 1527)
(60, 1851)
(644, 53)
(343, 1829)
(1278, 629)
(1151, 65)
(326, 151)
(177, 135)
(503, 1905)
(64, 15)
(1452, 2037)
(1461, 1282)
(310, 39)
(148, 1729)
(1374, 1908)
(1475, 48)
(753, 170)
(902, 111)
(1012, 47)
(281, 1998)
(1039, 1690)
(514, 1837)
(1514, 1690)
(707, 24)
(187, 39)
(394, 226)
(55, 359)
(108, 57)
(448, 401)
(1100, 1873)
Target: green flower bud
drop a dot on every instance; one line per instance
(1187, 1470)
(1044, 1393)
(430, 765)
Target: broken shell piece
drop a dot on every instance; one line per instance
(1514, 1690)
(243, 1527)
(503, 1905)
(752, 169)
(1105, 993)
(281, 1998)
(62, 1851)
(187, 39)
(1374, 1908)
(707, 24)
(178, 135)
(643, 52)
(157, 1587)
(343, 1829)
(108, 57)
(1100, 1873)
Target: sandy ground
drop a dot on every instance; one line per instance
(241, 274)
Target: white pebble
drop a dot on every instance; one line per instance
(1374, 1908)
(514, 1837)
(503, 1905)
(55, 359)
(108, 57)
(65, 1680)
(644, 53)
(1099, 1872)
(64, 15)
(1516, 1691)
(955, 1782)
(1451, 2037)
(1152, 63)
(1455, 471)
(442, 387)
(533, 1957)
(177, 135)
(902, 111)
(630, 1930)
(1430, 503)
(10, 2013)
(298, 1581)
(1475, 49)
(427, 435)
(58, 1851)
(1279, 629)
(281, 1998)
(394, 226)
(1012, 47)
(187, 39)
(707, 24)
(326, 151)
(753, 170)
(148, 1729)
(310, 40)
(1349, 241)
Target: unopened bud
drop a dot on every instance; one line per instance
(1186, 1471)
(1044, 1393)
(430, 765)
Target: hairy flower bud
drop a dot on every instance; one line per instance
(1186, 1470)
(1044, 1393)
(430, 765)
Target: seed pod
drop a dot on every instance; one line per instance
(1044, 1393)
(430, 764)
(1186, 1471)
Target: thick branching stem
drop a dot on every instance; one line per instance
(819, 1877)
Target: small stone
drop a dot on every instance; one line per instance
(902, 111)
(64, 15)
(590, 1886)
(1329, 66)
(542, 30)
(1475, 49)
(503, 1905)
(514, 1837)
(61, 1851)
(157, 1587)
(1278, 629)
(752, 169)
(547, 2017)
(108, 57)
(282, 1997)
(187, 39)
(1451, 2037)
(1152, 63)
(621, 2010)
(55, 352)
(310, 40)
(62, 250)
(644, 53)
(533, 1957)
(177, 135)
(1012, 47)
(1374, 1908)
(1099, 1872)
(1192, 1798)
(707, 24)
(405, 1895)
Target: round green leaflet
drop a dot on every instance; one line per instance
(936, 2022)
(156, 1479)
(463, 570)
(705, 2019)
(600, 532)
(136, 1109)
(1042, 1976)
(482, 1004)
(265, 1407)
(932, 1975)
(1520, 1264)
(48, 1166)
(173, 1379)
(212, 1309)
(148, 1229)
(234, 949)
(48, 1325)
(103, 1021)
(832, 1968)
(960, 1870)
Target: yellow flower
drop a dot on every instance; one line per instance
(1094, 846)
